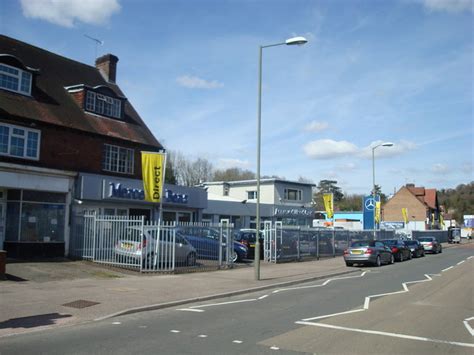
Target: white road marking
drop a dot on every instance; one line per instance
(448, 268)
(459, 263)
(175, 331)
(190, 310)
(470, 257)
(393, 335)
(222, 303)
(237, 341)
(262, 297)
(202, 336)
(468, 326)
(274, 348)
(142, 326)
(116, 323)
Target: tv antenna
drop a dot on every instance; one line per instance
(98, 42)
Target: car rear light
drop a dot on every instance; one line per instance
(430, 243)
(142, 245)
(369, 251)
(346, 252)
(394, 249)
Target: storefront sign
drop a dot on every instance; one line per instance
(119, 191)
(173, 197)
(302, 212)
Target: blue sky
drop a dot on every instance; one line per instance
(372, 71)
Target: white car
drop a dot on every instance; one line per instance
(137, 247)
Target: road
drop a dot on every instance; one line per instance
(427, 311)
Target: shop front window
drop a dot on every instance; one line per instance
(42, 222)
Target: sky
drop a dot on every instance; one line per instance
(373, 71)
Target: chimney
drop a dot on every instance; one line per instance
(410, 185)
(107, 65)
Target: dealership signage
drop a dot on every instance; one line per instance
(297, 212)
(118, 190)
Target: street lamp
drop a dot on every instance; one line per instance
(288, 42)
(386, 144)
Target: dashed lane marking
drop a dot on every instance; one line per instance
(175, 331)
(237, 341)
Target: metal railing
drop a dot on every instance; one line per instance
(132, 243)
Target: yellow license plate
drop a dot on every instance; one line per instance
(127, 246)
(356, 252)
(252, 245)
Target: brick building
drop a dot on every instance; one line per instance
(422, 206)
(69, 141)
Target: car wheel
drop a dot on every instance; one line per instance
(234, 257)
(191, 259)
(392, 259)
(378, 262)
(409, 255)
(349, 263)
(440, 249)
(400, 257)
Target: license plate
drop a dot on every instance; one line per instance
(356, 251)
(252, 245)
(127, 245)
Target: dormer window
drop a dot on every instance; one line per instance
(14, 79)
(103, 105)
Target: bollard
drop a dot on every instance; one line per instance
(3, 262)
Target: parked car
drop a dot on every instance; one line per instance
(400, 251)
(416, 248)
(430, 244)
(368, 252)
(207, 243)
(248, 238)
(134, 247)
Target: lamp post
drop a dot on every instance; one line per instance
(288, 42)
(386, 144)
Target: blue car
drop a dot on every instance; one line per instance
(206, 242)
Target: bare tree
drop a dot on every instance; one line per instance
(190, 173)
(233, 174)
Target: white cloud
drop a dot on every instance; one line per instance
(193, 82)
(67, 12)
(315, 126)
(439, 168)
(226, 163)
(328, 149)
(448, 5)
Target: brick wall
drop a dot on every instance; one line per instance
(392, 210)
(65, 149)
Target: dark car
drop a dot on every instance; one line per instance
(416, 248)
(399, 249)
(430, 244)
(368, 252)
(206, 241)
(248, 238)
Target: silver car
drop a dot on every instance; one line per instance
(368, 252)
(430, 244)
(135, 247)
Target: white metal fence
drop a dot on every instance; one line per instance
(130, 242)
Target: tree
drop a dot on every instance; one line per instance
(378, 191)
(350, 203)
(190, 173)
(233, 174)
(325, 187)
(170, 178)
(458, 201)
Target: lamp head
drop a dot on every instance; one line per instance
(296, 40)
(387, 144)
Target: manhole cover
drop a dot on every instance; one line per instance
(80, 304)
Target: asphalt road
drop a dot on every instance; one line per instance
(428, 318)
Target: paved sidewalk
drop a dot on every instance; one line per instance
(33, 305)
(96, 292)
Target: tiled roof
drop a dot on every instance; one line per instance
(427, 196)
(52, 104)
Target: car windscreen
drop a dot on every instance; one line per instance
(390, 242)
(362, 244)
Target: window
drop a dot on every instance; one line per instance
(19, 142)
(118, 159)
(14, 79)
(103, 105)
(251, 195)
(293, 195)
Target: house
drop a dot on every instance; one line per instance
(70, 141)
(423, 209)
(289, 202)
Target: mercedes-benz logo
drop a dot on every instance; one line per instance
(369, 204)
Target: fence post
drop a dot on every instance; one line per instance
(298, 252)
(94, 235)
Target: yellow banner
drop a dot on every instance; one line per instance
(153, 172)
(405, 215)
(441, 220)
(377, 211)
(328, 204)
